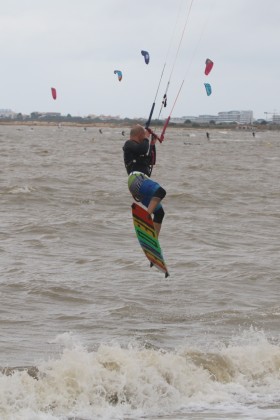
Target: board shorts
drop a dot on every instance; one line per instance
(142, 188)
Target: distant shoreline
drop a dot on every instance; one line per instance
(61, 124)
(125, 124)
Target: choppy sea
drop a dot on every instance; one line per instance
(87, 330)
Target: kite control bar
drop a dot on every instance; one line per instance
(155, 136)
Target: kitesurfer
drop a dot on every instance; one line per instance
(139, 158)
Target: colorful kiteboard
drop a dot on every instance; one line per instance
(147, 237)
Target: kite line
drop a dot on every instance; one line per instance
(164, 101)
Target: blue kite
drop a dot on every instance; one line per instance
(208, 89)
(146, 56)
(119, 73)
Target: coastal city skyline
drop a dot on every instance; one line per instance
(236, 116)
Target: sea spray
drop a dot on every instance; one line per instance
(135, 381)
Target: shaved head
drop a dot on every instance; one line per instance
(137, 131)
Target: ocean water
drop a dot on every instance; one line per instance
(88, 330)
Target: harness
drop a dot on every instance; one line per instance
(135, 181)
(148, 160)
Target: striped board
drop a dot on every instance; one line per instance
(147, 237)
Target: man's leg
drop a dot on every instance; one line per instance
(153, 204)
(158, 215)
(151, 208)
(157, 228)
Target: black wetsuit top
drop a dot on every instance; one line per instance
(139, 157)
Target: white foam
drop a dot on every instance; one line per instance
(115, 382)
(25, 189)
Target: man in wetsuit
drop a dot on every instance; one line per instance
(139, 158)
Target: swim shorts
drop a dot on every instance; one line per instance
(142, 188)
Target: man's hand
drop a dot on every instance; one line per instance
(154, 139)
(147, 133)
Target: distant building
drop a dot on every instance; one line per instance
(206, 119)
(276, 118)
(182, 120)
(226, 117)
(7, 113)
(191, 118)
(246, 117)
(49, 114)
(104, 117)
(44, 115)
(239, 117)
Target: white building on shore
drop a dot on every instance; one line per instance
(7, 113)
(239, 117)
(276, 118)
(206, 119)
(225, 117)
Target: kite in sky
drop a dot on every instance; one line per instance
(146, 56)
(209, 65)
(119, 73)
(53, 93)
(208, 89)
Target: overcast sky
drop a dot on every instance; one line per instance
(75, 46)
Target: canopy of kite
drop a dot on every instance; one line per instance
(53, 93)
(209, 65)
(146, 56)
(119, 73)
(208, 89)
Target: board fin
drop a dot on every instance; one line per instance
(166, 274)
(147, 237)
